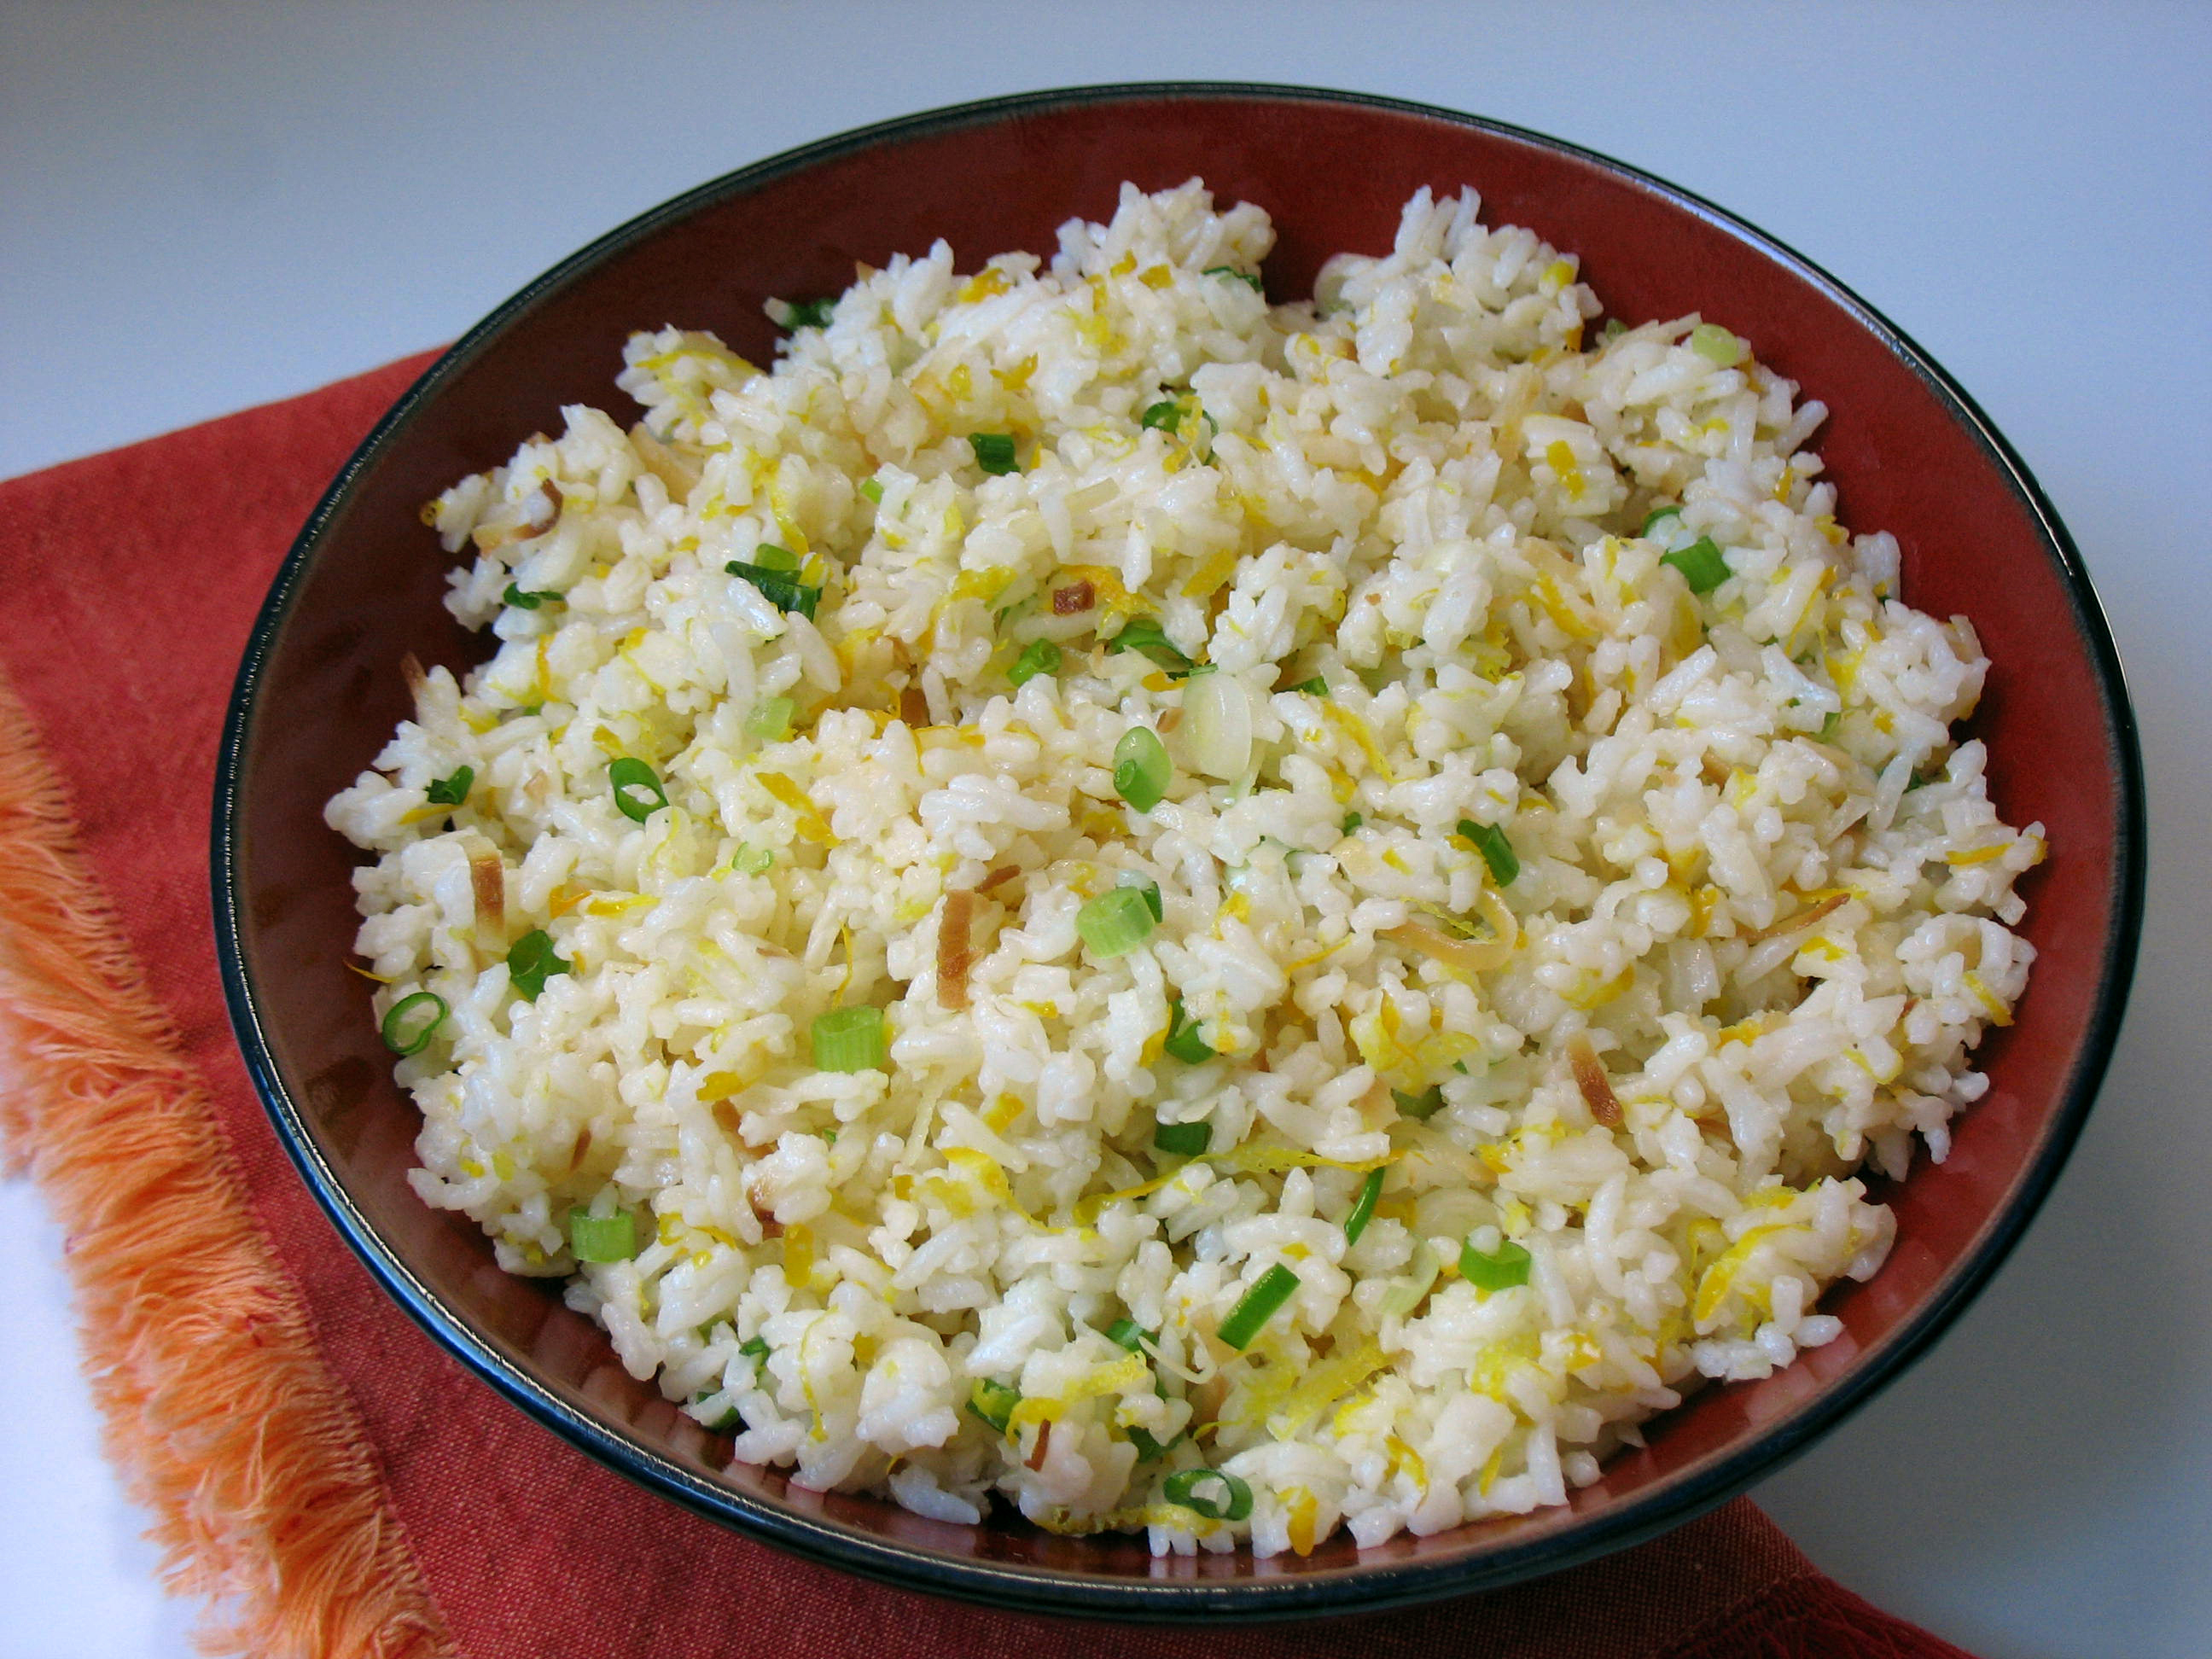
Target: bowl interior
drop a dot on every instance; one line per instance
(324, 691)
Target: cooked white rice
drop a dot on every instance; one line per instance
(1421, 491)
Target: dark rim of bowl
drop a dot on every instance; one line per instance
(1357, 1589)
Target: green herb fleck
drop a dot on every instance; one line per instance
(451, 791)
(602, 1237)
(531, 960)
(777, 587)
(1423, 1106)
(1501, 1270)
(1497, 852)
(995, 452)
(1700, 563)
(1142, 770)
(1363, 1207)
(410, 1023)
(1184, 1041)
(637, 790)
(993, 1403)
(1038, 657)
(1184, 1140)
(1143, 633)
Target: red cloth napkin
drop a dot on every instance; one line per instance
(312, 1458)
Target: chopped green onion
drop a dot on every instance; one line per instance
(1184, 1140)
(810, 313)
(1150, 892)
(1423, 1106)
(1038, 657)
(638, 794)
(1216, 725)
(1460, 1066)
(993, 1403)
(1150, 1450)
(530, 961)
(1501, 1270)
(754, 1348)
(451, 791)
(1115, 923)
(1919, 780)
(995, 452)
(1613, 329)
(1405, 1294)
(769, 719)
(602, 1237)
(1700, 563)
(849, 1040)
(1717, 346)
(1363, 1207)
(1828, 726)
(1163, 416)
(522, 599)
(1257, 1306)
(1181, 1489)
(777, 587)
(752, 860)
(873, 489)
(1658, 515)
(1141, 767)
(1316, 687)
(768, 557)
(1351, 822)
(1128, 1333)
(405, 1031)
(1232, 272)
(1497, 852)
(728, 1422)
(1144, 635)
(1184, 1041)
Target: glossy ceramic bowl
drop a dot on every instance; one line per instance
(320, 690)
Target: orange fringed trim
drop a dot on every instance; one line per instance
(219, 1414)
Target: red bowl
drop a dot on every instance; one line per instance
(320, 690)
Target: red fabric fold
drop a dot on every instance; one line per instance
(133, 579)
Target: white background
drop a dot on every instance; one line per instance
(203, 207)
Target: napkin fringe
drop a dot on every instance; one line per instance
(219, 1414)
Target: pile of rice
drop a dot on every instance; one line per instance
(1752, 912)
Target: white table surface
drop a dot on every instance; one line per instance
(203, 207)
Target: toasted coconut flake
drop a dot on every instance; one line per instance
(488, 881)
(583, 1146)
(1590, 1078)
(1073, 599)
(664, 463)
(1040, 1446)
(1000, 877)
(1826, 908)
(956, 952)
(1465, 957)
(410, 670)
(544, 516)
